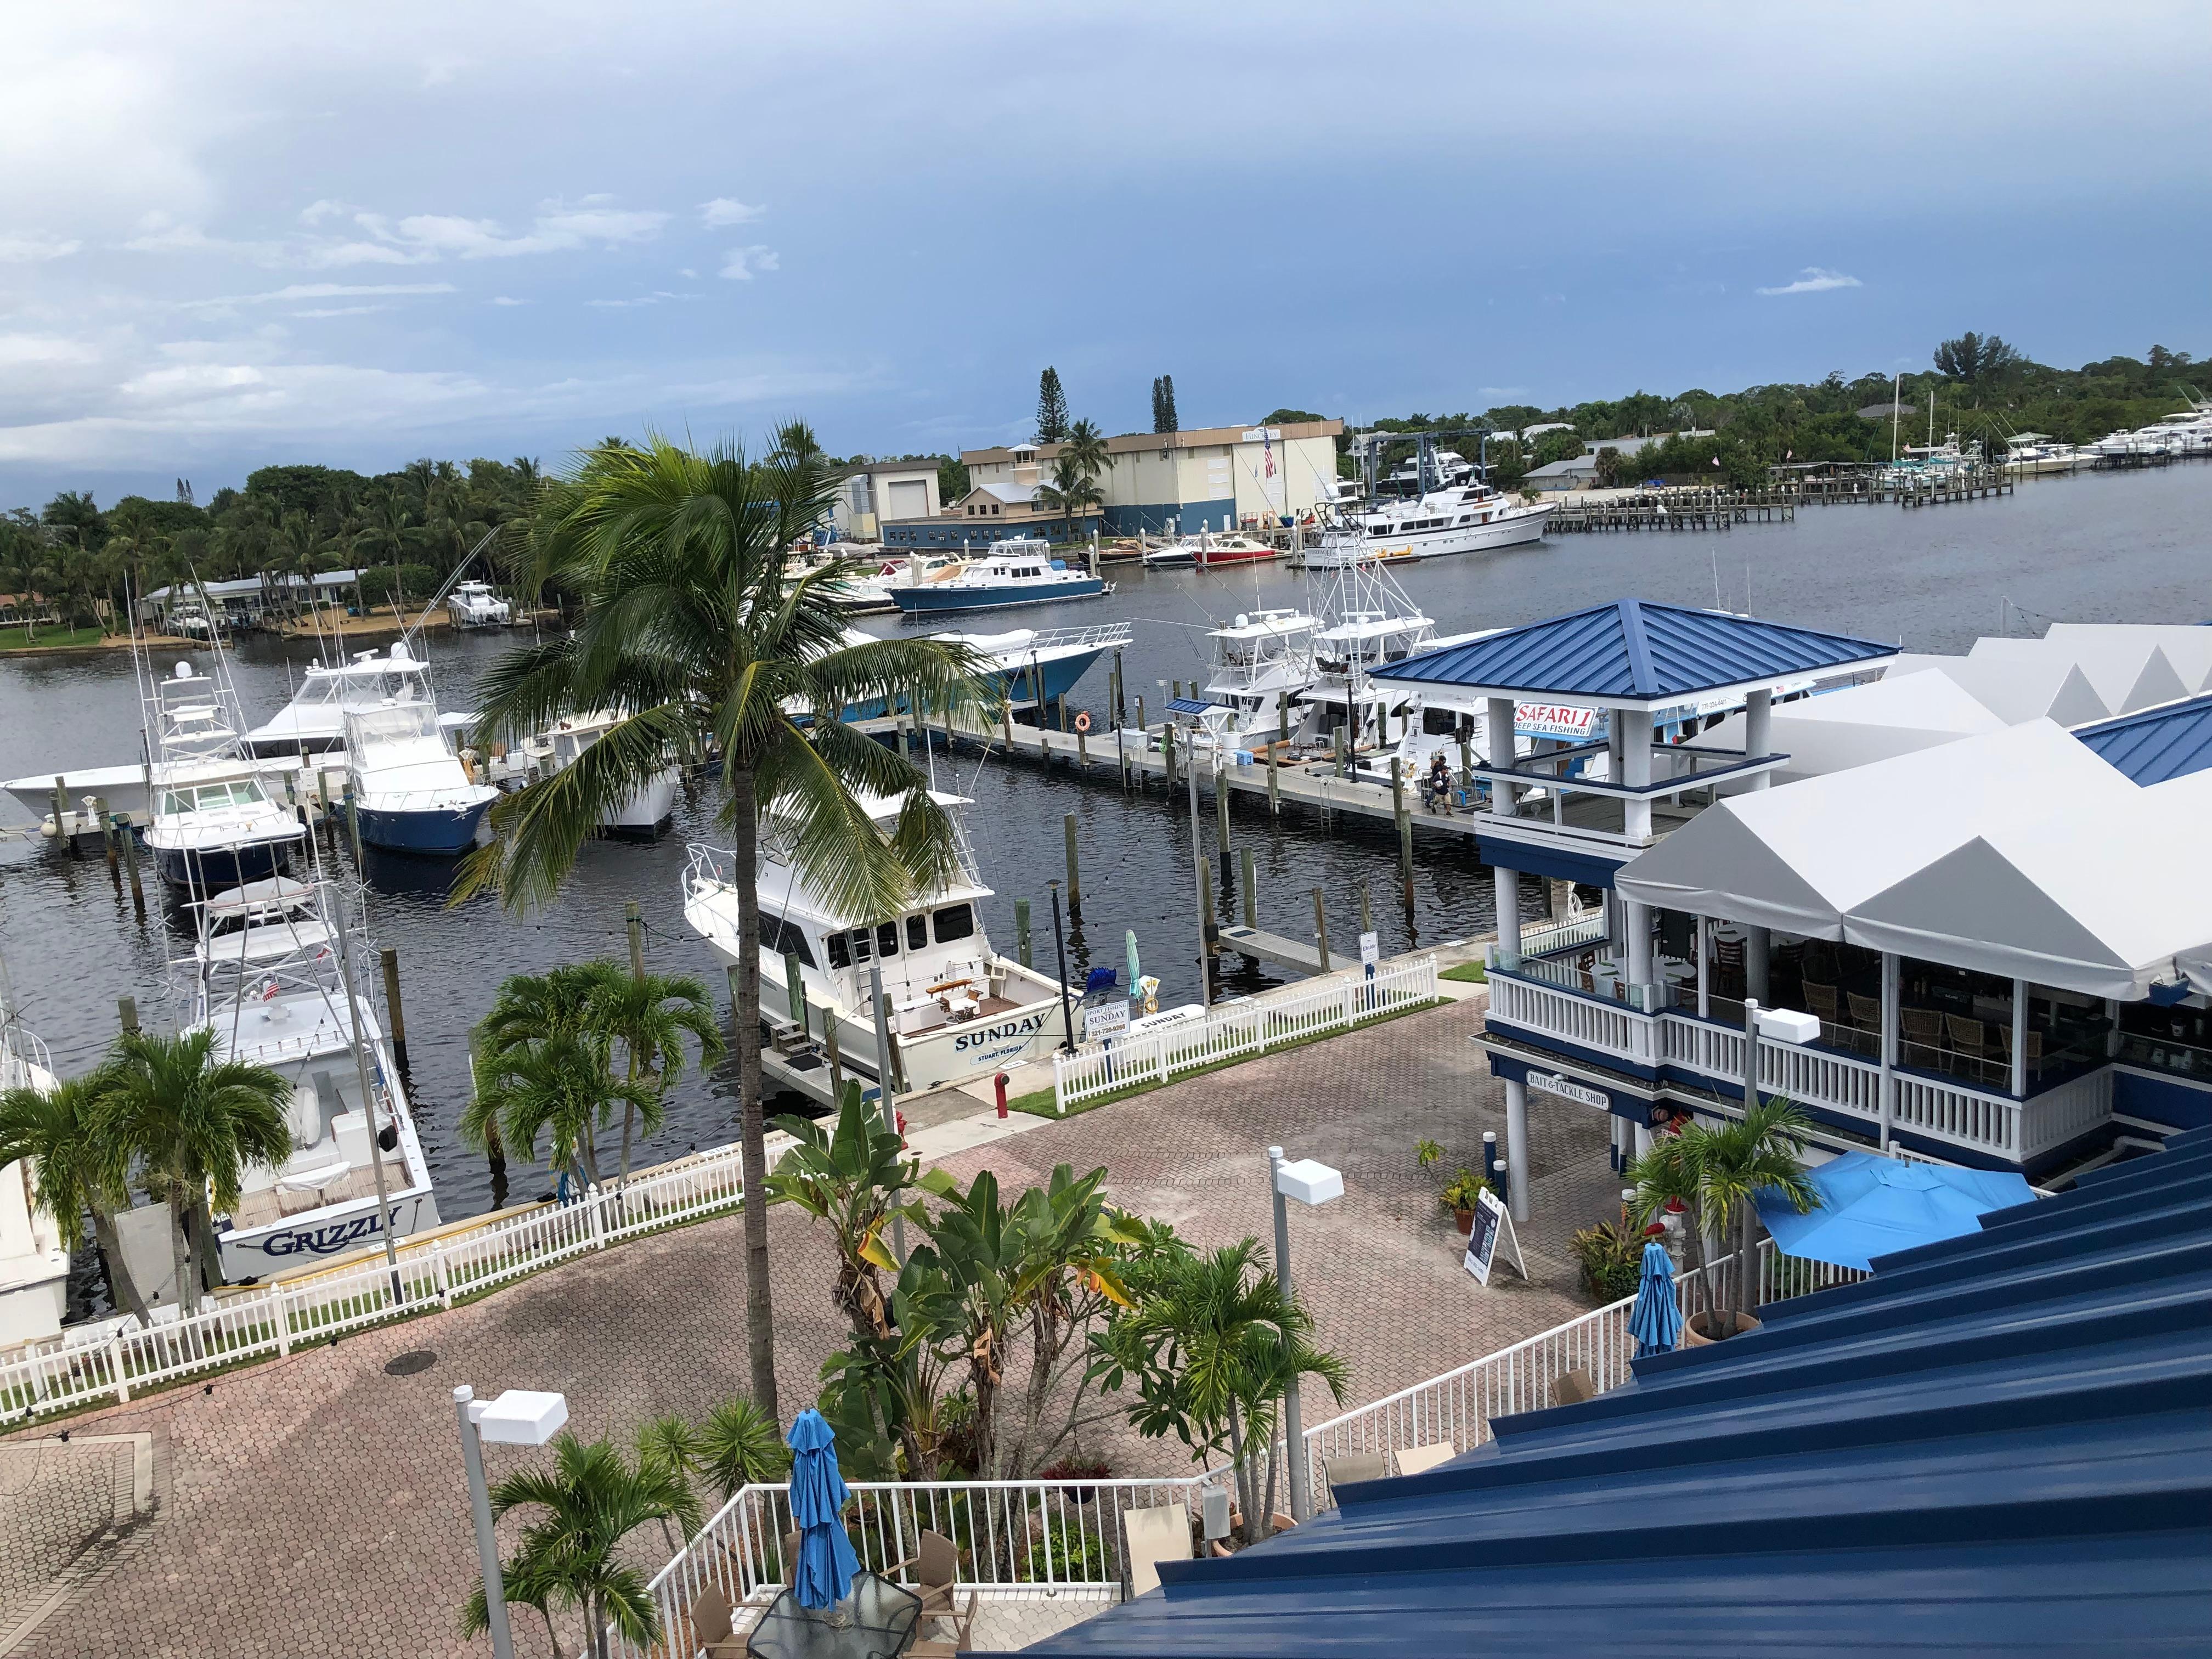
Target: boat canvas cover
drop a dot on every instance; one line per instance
(1801, 857)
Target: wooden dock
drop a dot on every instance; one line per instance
(1272, 948)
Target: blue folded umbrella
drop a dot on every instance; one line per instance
(823, 1572)
(1655, 1321)
(1871, 1205)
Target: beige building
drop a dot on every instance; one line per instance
(1210, 478)
(869, 494)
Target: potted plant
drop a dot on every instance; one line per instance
(1460, 1193)
(1610, 1255)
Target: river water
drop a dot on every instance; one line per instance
(2096, 547)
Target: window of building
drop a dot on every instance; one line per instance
(955, 921)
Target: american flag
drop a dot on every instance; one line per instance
(1268, 450)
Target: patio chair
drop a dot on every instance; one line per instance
(1970, 1041)
(1923, 1036)
(711, 1631)
(1362, 1466)
(936, 1564)
(1415, 1460)
(1866, 1021)
(1573, 1388)
(1151, 1536)
(2035, 1050)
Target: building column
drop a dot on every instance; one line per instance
(1705, 968)
(1497, 741)
(1758, 950)
(1517, 1150)
(1643, 1139)
(1759, 730)
(1559, 896)
(1506, 887)
(2020, 1039)
(1637, 920)
(1634, 725)
(1890, 978)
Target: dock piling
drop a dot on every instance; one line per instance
(1074, 882)
(66, 842)
(1320, 928)
(1366, 910)
(126, 1011)
(1022, 931)
(130, 862)
(634, 924)
(1405, 822)
(353, 824)
(107, 841)
(1251, 894)
(794, 986)
(1121, 702)
(388, 959)
(1220, 808)
(836, 1061)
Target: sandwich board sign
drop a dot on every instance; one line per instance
(1371, 952)
(1493, 1229)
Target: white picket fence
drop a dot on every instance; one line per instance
(67, 1373)
(1246, 1025)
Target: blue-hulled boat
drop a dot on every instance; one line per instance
(411, 792)
(1020, 571)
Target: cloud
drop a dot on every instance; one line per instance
(34, 250)
(744, 262)
(727, 210)
(557, 227)
(1816, 281)
(659, 296)
(507, 299)
(318, 291)
(338, 311)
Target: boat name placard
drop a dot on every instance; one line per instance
(1553, 1083)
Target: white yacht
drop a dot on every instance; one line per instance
(412, 792)
(1463, 519)
(34, 1257)
(2031, 455)
(1037, 665)
(1263, 663)
(1448, 466)
(473, 604)
(1213, 548)
(314, 722)
(213, 822)
(264, 975)
(958, 1008)
(641, 814)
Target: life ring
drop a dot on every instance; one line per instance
(1082, 720)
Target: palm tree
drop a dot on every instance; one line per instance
(695, 627)
(196, 1124)
(74, 1168)
(1759, 1150)
(650, 1015)
(1085, 445)
(538, 1007)
(739, 1445)
(1071, 491)
(857, 1178)
(1668, 1175)
(594, 1498)
(562, 1087)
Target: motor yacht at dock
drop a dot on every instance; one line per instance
(473, 604)
(314, 722)
(411, 792)
(959, 1009)
(213, 822)
(641, 814)
(1019, 571)
(1463, 519)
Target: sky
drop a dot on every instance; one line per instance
(237, 234)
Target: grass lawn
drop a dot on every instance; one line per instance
(18, 639)
(1467, 973)
(1040, 1103)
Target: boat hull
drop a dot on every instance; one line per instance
(439, 830)
(210, 870)
(645, 812)
(340, 1229)
(948, 600)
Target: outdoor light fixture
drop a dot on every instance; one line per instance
(519, 1417)
(1310, 1182)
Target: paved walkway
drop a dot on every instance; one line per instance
(315, 1505)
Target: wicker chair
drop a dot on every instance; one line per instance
(1866, 1022)
(1923, 1041)
(1970, 1041)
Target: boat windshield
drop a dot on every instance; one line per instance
(212, 797)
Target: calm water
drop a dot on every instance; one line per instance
(2090, 548)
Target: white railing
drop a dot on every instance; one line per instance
(1551, 936)
(1247, 1026)
(1457, 1408)
(68, 1373)
(1015, 1537)
(1940, 1108)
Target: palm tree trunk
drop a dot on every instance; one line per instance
(1746, 1299)
(180, 1252)
(1268, 1509)
(552, 1640)
(211, 1273)
(752, 1126)
(121, 1286)
(1242, 1471)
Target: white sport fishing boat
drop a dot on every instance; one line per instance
(413, 793)
(314, 722)
(1462, 518)
(265, 977)
(641, 816)
(214, 822)
(1263, 663)
(473, 604)
(2032, 454)
(34, 1257)
(959, 1009)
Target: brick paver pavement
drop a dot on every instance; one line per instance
(317, 1506)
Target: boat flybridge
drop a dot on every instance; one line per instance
(959, 1009)
(213, 821)
(314, 722)
(1263, 663)
(265, 977)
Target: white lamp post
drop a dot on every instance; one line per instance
(1309, 1182)
(519, 1417)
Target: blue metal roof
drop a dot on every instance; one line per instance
(1632, 650)
(1997, 1444)
(2170, 741)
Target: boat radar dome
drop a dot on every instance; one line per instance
(1243, 621)
(397, 653)
(183, 670)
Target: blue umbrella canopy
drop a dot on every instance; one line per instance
(1655, 1321)
(1870, 1205)
(823, 1572)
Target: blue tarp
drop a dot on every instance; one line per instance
(1871, 1205)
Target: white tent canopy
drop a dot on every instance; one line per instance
(2127, 673)
(2018, 687)
(1862, 724)
(2187, 646)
